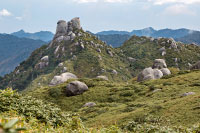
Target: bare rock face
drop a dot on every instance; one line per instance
(76, 23)
(64, 30)
(159, 64)
(75, 88)
(61, 29)
(149, 74)
(62, 78)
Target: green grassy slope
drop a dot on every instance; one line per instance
(120, 103)
(146, 51)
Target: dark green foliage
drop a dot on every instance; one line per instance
(31, 107)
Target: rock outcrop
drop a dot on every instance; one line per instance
(157, 71)
(75, 88)
(62, 78)
(65, 30)
(102, 77)
(195, 66)
(159, 64)
(44, 62)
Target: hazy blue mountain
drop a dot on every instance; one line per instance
(144, 32)
(42, 35)
(14, 50)
(177, 33)
(194, 37)
(116, 40)
(111, 32)
(168, 33)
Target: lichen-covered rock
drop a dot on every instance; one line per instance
(159, 64)
(45, 59)
(131, 59)
(149, 74)
(165, 71)
(75, 88)
(62, 78)
(188, 93)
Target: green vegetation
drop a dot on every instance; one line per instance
(119, 103)
(146, 51)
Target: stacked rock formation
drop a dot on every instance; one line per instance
(65, 29)
(157, 71)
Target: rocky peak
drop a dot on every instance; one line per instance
(65, 29)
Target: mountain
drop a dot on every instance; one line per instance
(115, 40)
(194, 37)
(77, 73)
(45, 36)
(144, 32)
(143, 51)
(14, 50)
(80, 53)
(111, 32)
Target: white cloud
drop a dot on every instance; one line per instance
(161, 2)
(5, 12)
(178, 9)
(105, 1)
(117, 1)
(19, 18)
(85, 1)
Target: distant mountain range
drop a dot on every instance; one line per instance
(14, 50)
(42, 35)
(183, 35)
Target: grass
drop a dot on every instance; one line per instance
(119, 103)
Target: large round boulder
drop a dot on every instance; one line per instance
(149, 74)
(159, 64)
(165, 71)
(62, 78)
(75, 88)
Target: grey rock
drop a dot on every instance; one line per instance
(131, 59)
(196, 66)
(75, 88)
(159, 64)
(114, 72)
(61, 29)
(110, 53)
(76, 23)
(60, 64)
(149, 74)
(73, 36)
(165, 71)
(64, 69)
(62, 78)
(102, 77)
(89, 104)
(45, 59)
(188, 93)
(99, 50)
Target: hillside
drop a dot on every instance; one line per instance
(14, 50)
(45, 36)
(79, 53)
(142, 51)
(154, 104)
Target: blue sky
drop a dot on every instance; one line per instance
(99, 15)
